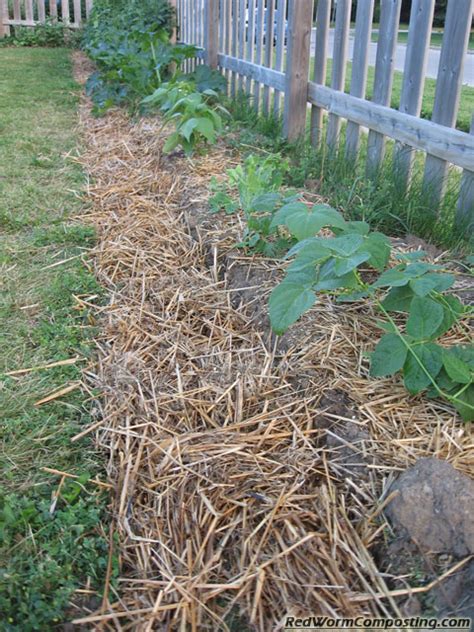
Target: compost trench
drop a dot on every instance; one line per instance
(249, 472)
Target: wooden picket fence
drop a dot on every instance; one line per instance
(266, 49)
(35, 12)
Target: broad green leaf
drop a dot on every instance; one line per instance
(328, 280)
(345, 245)
(306, 277)
(285, 211)
(309, 257)
(303, 224)
(307, 245)
(423, 285)
(188, 127)
(431, 357)
(288, 302)
(444, 281)
(206, 128)
(343, 266)
(362, 228)
(465, 353)
(398, 299)
(378, 245)
(411, 256)
(171, 143)
(453, 303)
(466, 406)
(425, 317)
(389, 356)
(330, 216)
(265, 202)
(392, 278)
(420, 267)
(426, 283)
(457, 370)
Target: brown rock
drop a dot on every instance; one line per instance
(435, 508)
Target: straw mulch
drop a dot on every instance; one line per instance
(249, 473)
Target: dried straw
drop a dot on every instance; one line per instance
(249, 472)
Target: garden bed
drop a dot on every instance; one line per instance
(250, 471)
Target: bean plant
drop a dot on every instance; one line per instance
(352, 263)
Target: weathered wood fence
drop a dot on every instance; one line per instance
(270, 50)
(35, 12)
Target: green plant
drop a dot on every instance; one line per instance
(47, 549)
(415, 288)
(258, 184)
(129, 42)
(197, 116)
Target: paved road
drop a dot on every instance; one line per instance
(432, 65)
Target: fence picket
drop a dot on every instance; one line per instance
(235, 37)
(280, 47)
(16, 10)
(341, 41)
(228, 31)
(242, 12)
(29, 11)
(258, 47)
(384, 67)
(250, 41)
(419, 35)
(269, 28)
(465, 209)
(212, 32)
(88, 7)
(297, 69)
(448, 87)
(77, 13)
(363, 29)
(64, 11)
(41, 11)
(323, 17)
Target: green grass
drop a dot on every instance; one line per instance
(436, 39)
(44, 557)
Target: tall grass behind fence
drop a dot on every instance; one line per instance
(270, 50)
(35, 12)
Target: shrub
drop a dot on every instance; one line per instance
(129, 42)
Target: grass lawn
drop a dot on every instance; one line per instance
(47, 552)
(436, 39)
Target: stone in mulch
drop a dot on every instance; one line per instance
(432, 519)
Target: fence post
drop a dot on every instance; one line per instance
(465, 210)
(211, 32)
(297, 72)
